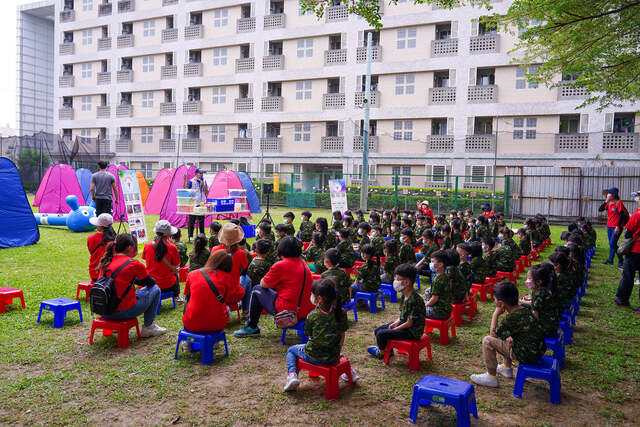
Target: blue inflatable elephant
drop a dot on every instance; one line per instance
(76, 220)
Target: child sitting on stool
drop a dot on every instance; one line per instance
(440, 294)
(368, 278)
(340, 278)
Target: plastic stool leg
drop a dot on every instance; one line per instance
(415, 403)
(284, 334)
(519, 384)
(174, 301)
(382, 298)
(473, 408)
(373, 304)
(462, 413)
(226, 348)
(91, 335)
(78, 293)
(554, 389)
(414, 359)
(39, 314)
(123, 337)
(444, 335)
(175, 356)
(58, 318)
(80, 312)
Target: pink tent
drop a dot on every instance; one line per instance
(223, 181)
(158, 192)
(60, 181)
(122, 168)
(43, 184)
(169, 205)
(119, 209)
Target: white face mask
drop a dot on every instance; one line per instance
(501, 236)
(313, 300)
(286, 220)
(374, 234)
(432, 266)
(397, 285)
(393, 229)
(360, 233)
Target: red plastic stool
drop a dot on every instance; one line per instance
(412, 347)
(349, 271)
(7, 295)
(305, 245)
(443, 326)
(182, 273)
(526, 261)
(86, 287)
(121, 327)
(460, 308)
(357, 265)
(509, 275)
(331, 374)
(481, 289)
(519, 268)
(237, 309)
(316, 276)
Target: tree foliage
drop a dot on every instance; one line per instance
(29, 166)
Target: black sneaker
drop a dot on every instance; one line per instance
(607, 262)
(620, 266)
(620, 303)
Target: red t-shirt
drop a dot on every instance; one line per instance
(488, 214)
(285, 277)
(96, 250)
(204, 313)
(613, 213)
(240, 262)
(428, 212)
(134, 270)
(165, 277)
(634, 226)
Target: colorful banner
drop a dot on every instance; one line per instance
(338, 193)
(133, 203)
(276, 183)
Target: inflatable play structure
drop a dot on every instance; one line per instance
(144, 188)
(158, 192)
(84, 179)
(59, 182)
(18, 228)
(76, 220)
(119, 209)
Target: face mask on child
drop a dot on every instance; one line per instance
(432, 266)
(360, 233)
(286, 220)
(530, 284)
(314, 301)
(397, 285)
(374, 234)
(393, 229)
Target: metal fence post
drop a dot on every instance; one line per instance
(506, 195)
(455, 195)
(291, 189)
(395, 188)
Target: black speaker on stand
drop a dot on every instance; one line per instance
(267, 190)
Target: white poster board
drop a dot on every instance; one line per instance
(133, 203)
(338, 193)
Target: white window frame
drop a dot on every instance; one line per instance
(302, 132)
(149, 28)
(219, 56)
(521, 77)
(146, 135)
(220, 18)
(219, 95)
(87, 102)
(304, 48)
(148, 64)
(405, 84)
(87, 37)
(304, 89)
(87, 70)
(85, 133)
(403, 130)
(218, 133)
(147, 99)
(406, 38)
(87, 5)
(147, 169)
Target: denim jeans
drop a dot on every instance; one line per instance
(296, 352)
(613, 244)
(245, 282)
(147, 300)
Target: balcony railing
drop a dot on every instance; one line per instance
(104, 146)
(126, 6)
(104, 78)
(244, 65)
(67, 16)
(335, 56)
(439, 143)
(105, 9)
(479, 143)
(442, 95)
(272, 103)
(103, 112)
(333, 101)
(192, 107)
(125, 41)
(488, 43)
(273, 62)
(270, 144)
(358, 143)
(169, 35)
(104, 43)
(246, 25)
(191, 145)
(447, 47)
(619, 142)
(361, 54)
(65, 113)
(193, 32)
(65, 81)
(167, 108)
(124, 76)
(125, 110)
(169, 2)
(566, 91)
(336, 13)
(167, 145)
(375, 98)
(193, 70)
(123, 145)
(242, 145)
(168, 72)
(572, 143)
(243, 105)
(274, 21)
(482, 94)
(66, 48)
(332, 144)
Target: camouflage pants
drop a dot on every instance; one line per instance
(491, 346)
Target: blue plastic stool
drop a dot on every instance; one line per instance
(567, 329)
(298, 327)
(546, 369)
(166, 295)
(371, 298)
(60, 307)
(570, 312)
(459, 394)
(203, 342)
(556, 344)
(351, 305)
(387, 289)
(418, 281)
(576, 306)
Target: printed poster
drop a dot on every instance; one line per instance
(133, 203)
(338, 193)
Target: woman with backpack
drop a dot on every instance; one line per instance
(97, 242)
(162, 259)
(118, 264)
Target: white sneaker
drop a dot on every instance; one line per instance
(354, 377)
(485, 380)
(292, 382)
(153, 330)
(186, 346)
(505, 372)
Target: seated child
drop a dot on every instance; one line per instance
(374, 218)
(258, 268)
(359, 216)
(410, 324)
(391, 262)
(440, 294)
(337, 220)
(395, 229)
(306, 227)
(531, 225)
(490, 259)
(447, 242)
(97, 242)
(565, 289)
(200, 254)
(518, 337)
(368, 278)
(407, 253)
(458, 282)
(347, 254)
(377, 240)
(420, 228)
(506, 239)
(347, 224)
(464, 250)
(340, 278)
(493, 225)
(281, 231)
(504, 258)
(542, 283)
(478, 265)
(472, 230)
(182, 248)
(525, 243)
(456, 233)
(363, 234)
(429, 247)
(214, 229)
(288, 223)
(315, 253)
(482, 230)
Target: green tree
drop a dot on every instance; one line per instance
(29, 167)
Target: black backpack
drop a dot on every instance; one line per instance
(103, 298)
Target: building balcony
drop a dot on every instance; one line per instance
(242, 145)
(103, 112)
(620, 142)
(67, 16)
(123, 145)
(361, 54)
(246, 25)
(358, 143)
(124, 76)
(442, 95)
(104, 43)
(482, 94)
(124, 110)
(374, 95)
(480, 143)
(566, 91)
(168, 145)
(439, 143)
(105, 9)
(192, 107)
(125, 41)
(243, 105)
(168, 72)
(169, 35)
(336, 13)
(193, 70)
(125, 6)
(487, 43)
(191, 145)
(167, 108)
(335, 56)
(447, 47)
(274, 21)
(272, 103)
(103, 78)
(333, 101)
(169, 2)
(67, 48)
(270, 144)
(358, 181)
(104, 146)
(65, 113)
(193, 32)
(244, 65)
(273, 62)
(332, 144)
(65, 81)
(571, 143)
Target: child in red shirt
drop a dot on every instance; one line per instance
(97, 242)
(162, 258)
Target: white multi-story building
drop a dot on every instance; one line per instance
(261, 86)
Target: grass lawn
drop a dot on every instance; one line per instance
(52, 376)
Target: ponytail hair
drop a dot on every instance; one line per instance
(118, 245)
(326, 288)
(108, 234)
(159, 246)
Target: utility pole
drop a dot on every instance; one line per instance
(364, 188)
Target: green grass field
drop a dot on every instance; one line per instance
(52, 376)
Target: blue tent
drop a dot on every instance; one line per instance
(17, 224)
(252, 197)
(84, 179)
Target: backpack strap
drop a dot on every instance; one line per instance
(96, 248)
(115, 273)
(211, 285)
(304, 280)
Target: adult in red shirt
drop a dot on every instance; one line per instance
(162, 258)
(204, 312)
(426, 211)
(287, 286)
(631, 263)
(134, 303)
(97, 242)
(615, 222)
(231, 238)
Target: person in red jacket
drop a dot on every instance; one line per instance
(616, 217)
(162, 258)
(134, 303)
(231, 237)
(287, 286)
(97, 242)
(631, 264)
(426, 211)
(204, 312)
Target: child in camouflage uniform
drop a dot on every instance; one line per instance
(478, 265)
(407, 253)
(430, 246)
(420, 228)
(541, 281)
(347, 254)
(200, 254)
(368, 277)
(391, 261)
(377, 240)
(315, 254)
(518, 337)
(359, 216)
(306, 227)
(464, 250)
(340, 278)
(439, 296)
(483, 228)
(281, 231)
(525, 243)
(566, 290)
(506, 236)
(504, 259)
(490, 258)
(337, 221)
(214, 229)
(446, 243)
(288, 223)
(182, 249)
(456, 233)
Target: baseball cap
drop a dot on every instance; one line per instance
(165, 228)
(612, 190)
(103, 220)
(198, 170)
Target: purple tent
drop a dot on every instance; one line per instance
(60, 181)
(119, 209)
(158, 192)
(43, 184)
